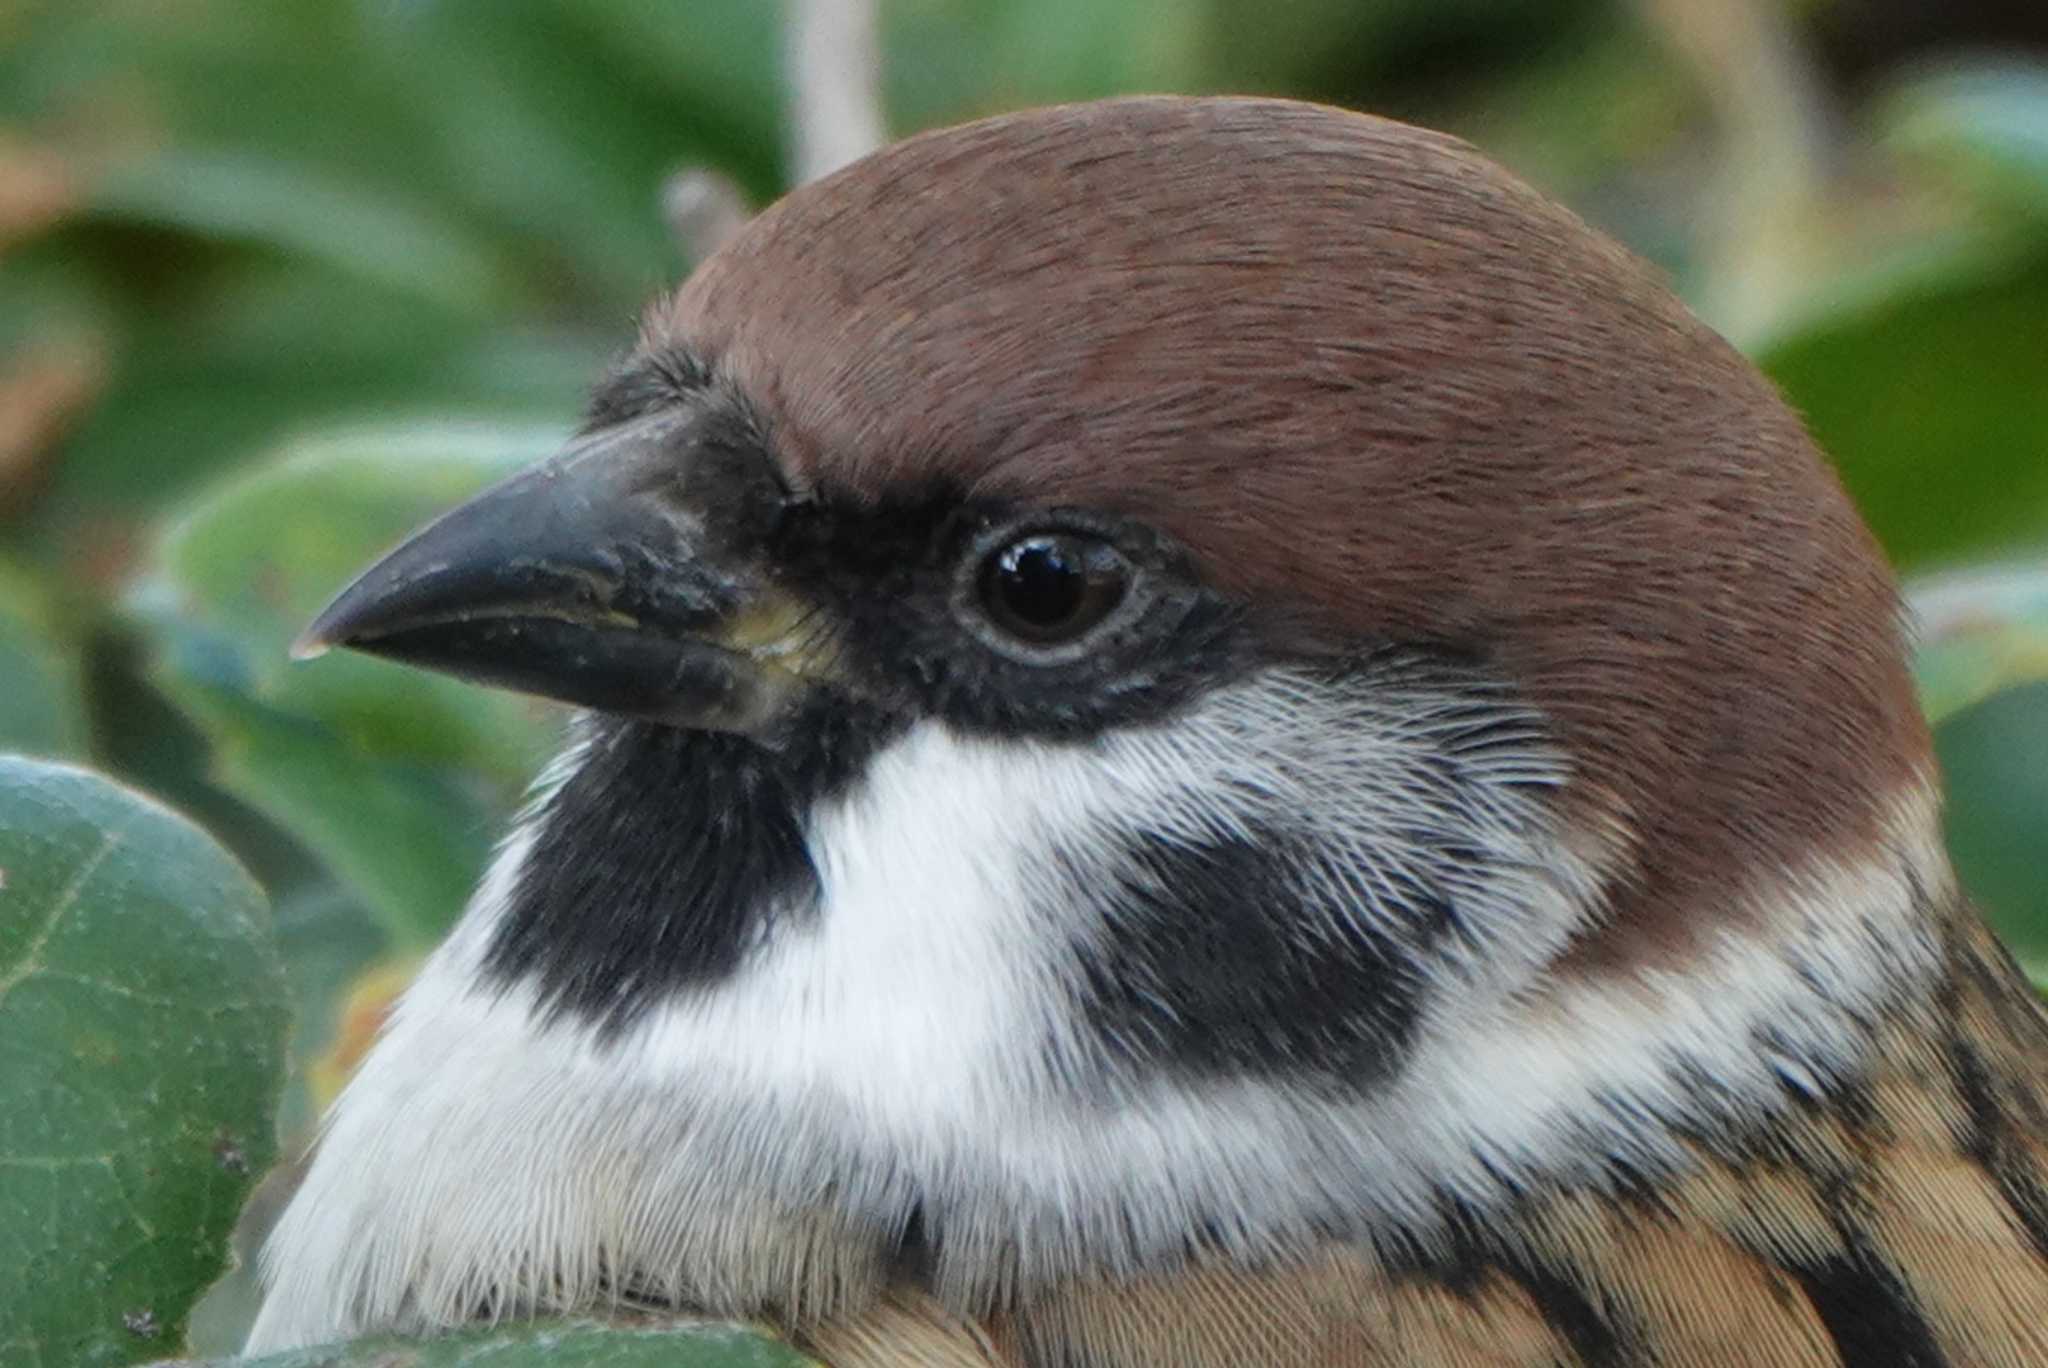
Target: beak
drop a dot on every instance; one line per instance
(618, 575)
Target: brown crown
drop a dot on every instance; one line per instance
(1379, 387)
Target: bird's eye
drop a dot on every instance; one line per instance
(1052, 586)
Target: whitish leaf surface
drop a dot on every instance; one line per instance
(554, 1345)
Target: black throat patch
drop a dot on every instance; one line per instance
(665, 858)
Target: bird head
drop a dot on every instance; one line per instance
(1155, 678)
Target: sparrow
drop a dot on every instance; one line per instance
(1208, 733)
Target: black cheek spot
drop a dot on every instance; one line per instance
(1209, 958)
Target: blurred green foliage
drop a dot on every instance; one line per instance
(278, 281)
(393, 779)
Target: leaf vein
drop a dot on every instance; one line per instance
(32, 957)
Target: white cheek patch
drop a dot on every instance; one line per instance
(913, 1045)
(456, 1172)
(929, 964)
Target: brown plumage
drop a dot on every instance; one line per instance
(1373, 380)
(1648, 1027)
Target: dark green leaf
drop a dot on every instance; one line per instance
(252, 564)
(241, 371)
(1933, 406)
(1995, 759)
(298, 210)
(329, 940)
(40, 711)
(142, 1020)
(571, 156)
(410, 840)
(950, 60)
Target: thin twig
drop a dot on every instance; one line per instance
(1780, 148)
(833, 56)
(703, 210)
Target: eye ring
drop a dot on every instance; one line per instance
(1049, 588)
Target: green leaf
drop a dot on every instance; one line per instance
(398, 779)
(1932, 404)
(213, 375)
(557, 1345)
(408, 839)
(571, 155)
(40, 708)
(948, 61)
(1916, 361)
(1994, 757)
(329, 941)
(39, 712)
(368, 233)
(254, 561)
(142, 1021)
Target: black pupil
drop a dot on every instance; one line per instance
(1043, 581)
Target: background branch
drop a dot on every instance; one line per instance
(833, 65)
